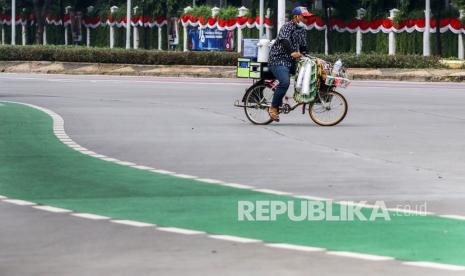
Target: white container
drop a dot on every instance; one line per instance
(263, 50)
(307, 77)
(300, 77)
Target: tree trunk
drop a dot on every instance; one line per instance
(40, 11)
(438, 31)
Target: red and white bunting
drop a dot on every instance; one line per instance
(314, 23)
(386, 25)
(228, 24)
(91, 22)
(6, 20)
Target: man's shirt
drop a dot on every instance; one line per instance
(297, 38)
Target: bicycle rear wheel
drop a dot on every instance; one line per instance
(329, 110)
(257, 100)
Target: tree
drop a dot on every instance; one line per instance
(41, 8)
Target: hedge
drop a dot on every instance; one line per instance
(154, 57)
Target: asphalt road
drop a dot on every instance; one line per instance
(401, 143)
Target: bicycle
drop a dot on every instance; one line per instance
(328, 108)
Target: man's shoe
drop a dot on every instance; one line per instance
(274, 113)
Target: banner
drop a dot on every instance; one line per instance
(173, 32)
(210, 39)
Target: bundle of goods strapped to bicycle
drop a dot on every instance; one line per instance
(315, 84)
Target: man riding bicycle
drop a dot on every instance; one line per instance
(289, 46)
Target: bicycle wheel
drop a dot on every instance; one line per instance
(329, 110)
(257, 100)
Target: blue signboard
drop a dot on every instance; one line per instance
(211, 39)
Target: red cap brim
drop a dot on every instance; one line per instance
(307, 14)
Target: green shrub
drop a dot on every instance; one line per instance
(152, 57)
(385, 61)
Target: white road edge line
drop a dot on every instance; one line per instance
(51, 209)
(436, 266)
(186, 176)
(133, 223)
(238, 186)
(19, 202)
(90, 216)
(210, 181)
(273, 192)
(234, 239)
(295, 247)
(368, 257)
(180, 231)
(453, 217)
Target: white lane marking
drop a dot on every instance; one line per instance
(457, 217)
(295, 247)
(19, 202)
(88, 152)
(359, 256)
(163, 172)
(3, 197)
(125, 163)
(51, 209)
(436, 266)
(270, 191)
(359, 204)
(69, 143)
(99, 156)
(145, 168)
(412, 212)
(313, 198)
(233, 239)
(77, 147)
(134, 81)
(180, 231)
(186, 176)
(238, 186)
(210, 181)
(109, 159)
(209, 81)
(133, 223)
(90, 216)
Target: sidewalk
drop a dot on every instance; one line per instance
(45, 67)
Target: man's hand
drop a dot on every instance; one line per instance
(296, 55)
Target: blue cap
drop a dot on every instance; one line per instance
(301, 11)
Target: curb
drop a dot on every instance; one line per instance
(78, 68)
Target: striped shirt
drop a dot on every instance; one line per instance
(297, 38)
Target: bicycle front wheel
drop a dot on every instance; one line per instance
(257, 101)
(329, 110)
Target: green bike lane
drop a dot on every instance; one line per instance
(36, 166)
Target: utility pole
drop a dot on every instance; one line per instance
(128, 25)
(262, 18)
(426, 33)
(281, 14)
(13, 22)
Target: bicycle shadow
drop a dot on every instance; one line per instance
(344, 125)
